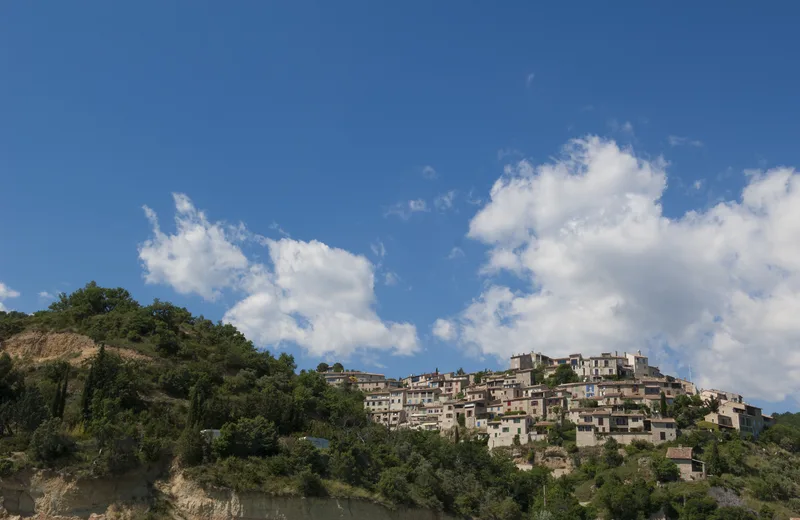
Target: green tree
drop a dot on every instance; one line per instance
(663, 408)
(323, 367)
(611, 455)
(665, 470)
(338, 367)
(247, 438)
(393, 485)
(49, 442)
(626, 501)
(714, 464)
(562, 375)
(733, 513)
(699, 508)
(191, 446)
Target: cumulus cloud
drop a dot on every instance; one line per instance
(445, 201)
(6, 293)
(601, 268)
(201, 257)
(429, 172)
(675, 140)
(445, 330)
(404, 210)
(310, 294)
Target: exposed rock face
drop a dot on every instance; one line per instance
(41, 347)
(47, 495)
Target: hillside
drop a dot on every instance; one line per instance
(99, 389)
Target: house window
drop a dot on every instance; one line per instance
(663, 436)
(516, 421)
(587, 419)
(519, 430)
(505, 430)
(600, 421)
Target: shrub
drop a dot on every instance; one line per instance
(665, 470)
(309, 484)
(393, 485)
(49, 442)
(247, 438)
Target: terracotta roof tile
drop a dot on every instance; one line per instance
(679, 453)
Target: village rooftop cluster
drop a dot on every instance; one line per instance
(615, 396)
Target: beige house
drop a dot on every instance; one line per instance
(638, 363)
(351, 376)
(521, 362)
(422, 396)
(720, 395)
(389, 418)
(691, 469)
(377, 401)
(502, 430)
(593, 428)
(741, 417)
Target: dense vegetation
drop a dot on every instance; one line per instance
(115, 412)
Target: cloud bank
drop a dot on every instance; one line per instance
(600, 268)
(310, 294)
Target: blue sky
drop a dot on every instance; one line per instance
(317, 121)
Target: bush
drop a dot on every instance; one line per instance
(49, 442)
(6, 468)
(309, 484)
(665, 470)
(247, 438)
(393, 485)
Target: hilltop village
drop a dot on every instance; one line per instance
(607, 396)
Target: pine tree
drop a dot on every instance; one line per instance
(88, 394)
(63, 402)
(714, 464)
(54, 406)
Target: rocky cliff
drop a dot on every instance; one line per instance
(48, 495)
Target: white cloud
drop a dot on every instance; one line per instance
(456, 252)
(390, 278)
(472, 200)
(378, 249)
(318, 297)
(602, 269)
(698, 184)
(529, 79)
(675, 140)
(404, 210)
(201, 257)
(6, 293)
(504, 153)
(445, 330)
(46, 295)
(625, 127)
(444, 201)
(429, 172)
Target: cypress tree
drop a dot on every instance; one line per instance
(88, 395)
(63, 401)
(663, 405)
(55, 405)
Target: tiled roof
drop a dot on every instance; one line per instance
(679, 453)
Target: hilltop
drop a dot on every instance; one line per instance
(101, 390)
